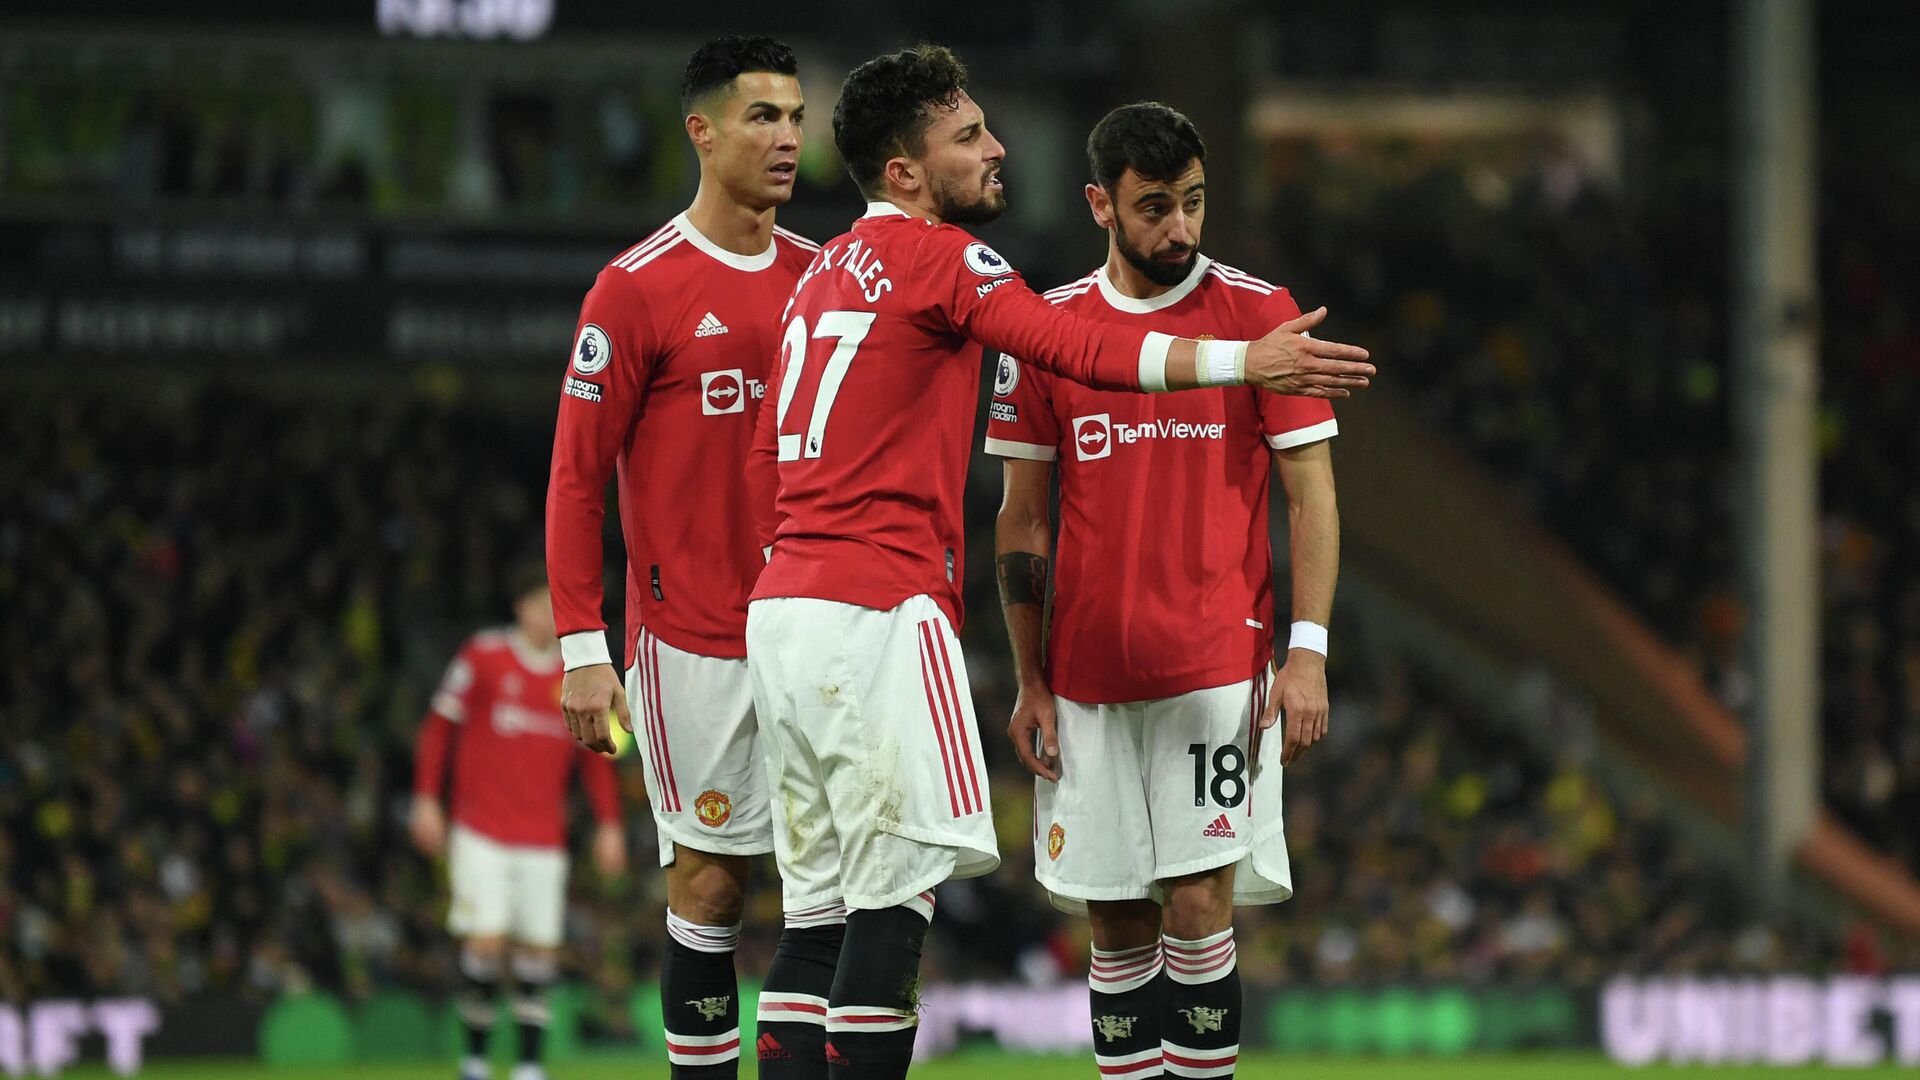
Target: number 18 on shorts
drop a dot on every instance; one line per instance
(1151, 790)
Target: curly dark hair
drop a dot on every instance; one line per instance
(1154, 140)
(720, 61)
(882, 110)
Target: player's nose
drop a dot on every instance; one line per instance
(994, 151)
(1180, 229)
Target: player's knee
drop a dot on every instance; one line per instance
(484, 953)
(1123, 924)
(1196, 909)
(533, 966)
(706, 892)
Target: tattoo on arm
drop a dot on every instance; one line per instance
(1023, 578)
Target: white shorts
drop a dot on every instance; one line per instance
(698, 740)
(880, 789)
(506, 890)
(1137, 803)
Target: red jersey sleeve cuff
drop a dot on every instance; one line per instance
(584, 649)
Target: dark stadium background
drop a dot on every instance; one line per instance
(285, 291)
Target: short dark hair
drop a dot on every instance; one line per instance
(1154, 140)
(525, 579)
(882, 110)
(720, 61)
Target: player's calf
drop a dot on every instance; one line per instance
(792, 1035)
(873, 1011)
(477, 1001)
(699, 991)
(534, 972)
(1126, 985)
(1201, 1023)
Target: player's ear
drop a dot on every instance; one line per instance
(700, 132)
(902, 173)
(1101, 204)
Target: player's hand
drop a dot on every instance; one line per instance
(1300, 695)
(1288, 361)
(1033, 712)
(427, 824)
(610, 849)
(586, 694)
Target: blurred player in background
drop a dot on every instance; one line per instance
(669, 365)
(1163, 544)
(871, 741)
(498, 713)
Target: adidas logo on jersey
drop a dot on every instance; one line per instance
(1220, 828)
(709, 326)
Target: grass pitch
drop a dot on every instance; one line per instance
(982, 1066)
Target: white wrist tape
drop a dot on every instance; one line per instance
(1220, 363)
(1153, 362)
(584, 649)
(1309, 635)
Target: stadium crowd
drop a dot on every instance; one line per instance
(227, 608)
(1577, 345)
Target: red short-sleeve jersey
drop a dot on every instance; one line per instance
(1163, 572)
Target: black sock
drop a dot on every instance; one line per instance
(700, 999)
(1200, 1033)
(873, 1012)
(476, 1001)
(1126, 988)
(531, 977)
(792, 1024)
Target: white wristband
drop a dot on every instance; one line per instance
(1153, 362)
(1310, 636)
(584, 649)
(1220, 363)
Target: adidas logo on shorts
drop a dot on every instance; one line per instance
(1220, 827)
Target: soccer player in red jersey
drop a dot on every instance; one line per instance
(669, 364)
(498, 711)
(872, 748)
(1163, 543)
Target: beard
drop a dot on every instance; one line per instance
(1160, 273)
(958, 205)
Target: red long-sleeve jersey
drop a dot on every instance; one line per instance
(514, 756)
(866, 445)
(669, 364)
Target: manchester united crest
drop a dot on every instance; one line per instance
(1056, 839)
(713, 808)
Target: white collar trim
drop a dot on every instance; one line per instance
(534, 659)
(1122, 302)
(748, 263)
(884, 209)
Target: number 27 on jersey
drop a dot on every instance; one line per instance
(848, 329)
